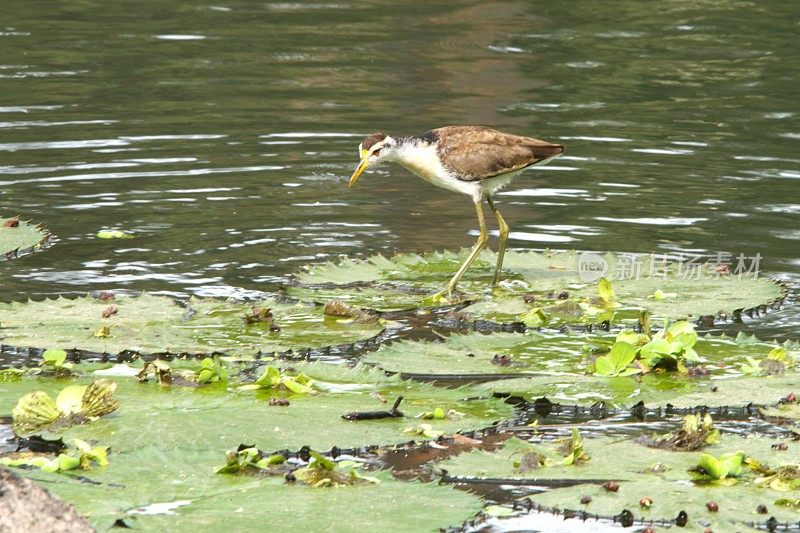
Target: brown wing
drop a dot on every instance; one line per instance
(475, 153)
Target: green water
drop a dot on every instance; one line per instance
(223, 135)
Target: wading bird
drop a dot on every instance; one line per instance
(473, 160)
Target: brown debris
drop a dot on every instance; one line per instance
(342, 309)
(502, 360)
(280, 402)
(531, 461)
(11, 223)
(261, 315)
(109, 311)
(611, 486)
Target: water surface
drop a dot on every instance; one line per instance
(222, 135)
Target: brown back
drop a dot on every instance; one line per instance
(475, 153)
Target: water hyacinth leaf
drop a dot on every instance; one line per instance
(55, 358)
(402, 281)
(616, 362)
(273, 377)
(154, 324)
(19, 236)
(83, 456)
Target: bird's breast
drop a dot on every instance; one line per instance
(423, 160)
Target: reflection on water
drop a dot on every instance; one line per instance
(222, 136)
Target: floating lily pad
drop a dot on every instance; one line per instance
(19, 236)
(181, 492)
(640, 472)
(654, 391)
(211, 417)
(154, 324)
(671, 291)
(479, 355)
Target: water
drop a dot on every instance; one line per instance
(222, 135)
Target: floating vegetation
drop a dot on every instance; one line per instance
(19, 237)
(148, 324)
(323, 472)
(652, 484)
(541, 288)
(616, 420)
(84, 456)
(75, 404)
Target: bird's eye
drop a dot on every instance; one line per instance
(377, 151)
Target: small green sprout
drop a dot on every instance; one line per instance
(721, 470)
(211, 370)
(323, 472)
(84, 456)
(273, 378)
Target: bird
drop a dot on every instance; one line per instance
(474, 160)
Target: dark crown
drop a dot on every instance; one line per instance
(369, 141)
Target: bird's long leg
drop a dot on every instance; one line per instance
(480, 244)
(501, 251)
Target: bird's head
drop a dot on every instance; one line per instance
(372, 150)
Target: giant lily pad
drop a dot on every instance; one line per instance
(19, 236)
(477, 355)
(640, 472)
(211, 418)
(654, 391)
(181, 492)
(148, 324)
(669, 291)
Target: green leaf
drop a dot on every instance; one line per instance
(604, 366)
(33, 411)
(778, 354)
(631, 337)
(70, 398)
(54, 358)
(622, 354)
(605, 290)
(113, 234)
(219, 503)
(534, 318)
(655, 350)
(67, 462)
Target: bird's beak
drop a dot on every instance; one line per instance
(359, 169)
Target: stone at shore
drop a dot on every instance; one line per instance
(25, 507)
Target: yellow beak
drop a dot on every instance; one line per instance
(359, 169)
